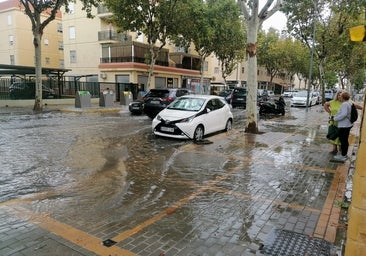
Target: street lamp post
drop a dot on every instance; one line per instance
(311, 57)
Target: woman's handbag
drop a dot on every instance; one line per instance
(332, 132)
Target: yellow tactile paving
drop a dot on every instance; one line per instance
(68, 232)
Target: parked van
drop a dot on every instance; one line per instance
(216, 88)
(328, 95)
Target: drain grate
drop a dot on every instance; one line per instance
(109, 242)
(289, 243)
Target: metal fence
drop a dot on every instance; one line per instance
(62, 89)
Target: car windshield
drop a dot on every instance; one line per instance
(241, 92)
(187, 104)
(301, 94)
(158, 93)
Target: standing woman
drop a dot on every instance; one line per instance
(332, 107)
(344, 125)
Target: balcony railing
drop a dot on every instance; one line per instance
(131, 59)
(102, 9)
(138, 52)
(111, 35)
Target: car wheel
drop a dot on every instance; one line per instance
(261, 111)
(229, 125)
(198, 133)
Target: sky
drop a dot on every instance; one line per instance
(277, 21)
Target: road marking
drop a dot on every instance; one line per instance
(68, 232)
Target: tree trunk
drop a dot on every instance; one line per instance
(202, 89)
(38, 105)
(252, 86)
(151, 67)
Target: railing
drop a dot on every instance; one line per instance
(62, 89)
(102, 9)
(131, 59)
(113, 35)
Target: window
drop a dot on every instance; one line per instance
(10, 20)
(11, 40)
(72, 56)
(47, 60)
(12, 60)
(216, 70)
(46, 42)
(62, 64)
(61, 45)
(59, 27)
(205, 67)
(72, 32)
(71, 8)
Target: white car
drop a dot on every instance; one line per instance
(299, 99)
(288, 94)
(193, 117)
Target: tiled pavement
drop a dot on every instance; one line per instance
(241, 189)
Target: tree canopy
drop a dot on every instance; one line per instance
(35, 9)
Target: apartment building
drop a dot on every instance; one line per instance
(96, 51)
(16, 40)
(239, 77)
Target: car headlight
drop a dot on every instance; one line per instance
(187, 119)
(158, 117)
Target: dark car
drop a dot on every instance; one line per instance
(136, 107)
(24, 90)
(226, 94)
(238, 97)
(156, 100)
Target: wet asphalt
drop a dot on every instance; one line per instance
(101, 184)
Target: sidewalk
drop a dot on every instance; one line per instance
(274, 193)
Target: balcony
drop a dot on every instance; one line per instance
(103, 12)
(111, 35)
(136, 52)
(185, 60)
(130, 51)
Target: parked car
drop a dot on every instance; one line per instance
(288, 94)
(270, 93)
(238, 97)
(158, 99)
(226, 94)
(299, 99)
(216, 88)
(318, 97)
(27, 90)
(193, 117)
(136, 107)
(328, 95)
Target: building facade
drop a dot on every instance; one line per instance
(96, 51)
(16, 40)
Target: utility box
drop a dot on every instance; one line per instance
(82, 99)
(106, 99)
(126, 98)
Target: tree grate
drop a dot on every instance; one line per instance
(289, 243)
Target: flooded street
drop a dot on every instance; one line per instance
(78, 161)
(108, 176)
